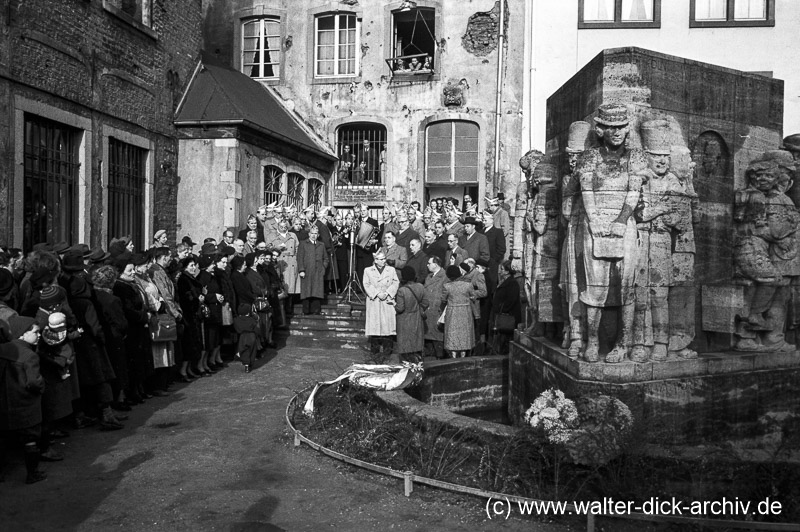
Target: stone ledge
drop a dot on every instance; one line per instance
(625, 372)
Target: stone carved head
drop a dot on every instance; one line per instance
(611, 124)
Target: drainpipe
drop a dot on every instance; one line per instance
(501, 36)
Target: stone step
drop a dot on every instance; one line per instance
(343, 310)
(318, 342)
(330, 332)
(324, 323)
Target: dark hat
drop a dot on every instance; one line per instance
(19, 325)
(6, 283)
(61, 247)
(205, 261)
(122, 260)
(482, 262)
(82, 249)
(792, 142)
(453, 272)
(41, 276)
(250, 259)
(188, 241)
(42, 246)
(612, 114)
(50, 296)
(408, 274)
(470, 220)
(226, 250)
(137, 259)
(72, 261)
(466, 267)
(501, 196)
(208, 249)
(98, 255)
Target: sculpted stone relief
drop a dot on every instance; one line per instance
(613, 240)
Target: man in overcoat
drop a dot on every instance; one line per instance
(433, 293)
(380, 284)
(312, 260)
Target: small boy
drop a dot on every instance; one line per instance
(21, 404)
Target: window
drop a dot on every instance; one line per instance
(597, 14)
(336, 46)
(273, 179)
(137, 11)
(362, 155)
(315, 193)
(50, 173)
(716, 13)
(451, 152)
(126, 180)
(294, 194)
(261, 48)
(413, 41)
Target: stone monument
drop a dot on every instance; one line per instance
(673, 238)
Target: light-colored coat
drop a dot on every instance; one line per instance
(287, 261)
(380, 315)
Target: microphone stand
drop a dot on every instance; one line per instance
(353, 281)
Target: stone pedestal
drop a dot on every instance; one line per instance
(715, 397)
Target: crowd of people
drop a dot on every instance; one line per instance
(88, 334)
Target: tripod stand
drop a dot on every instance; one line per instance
(350, 288)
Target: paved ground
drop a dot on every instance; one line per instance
(216, 455)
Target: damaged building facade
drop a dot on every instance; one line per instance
(88, 149)
(400, 99)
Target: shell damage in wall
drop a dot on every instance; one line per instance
(481, 36)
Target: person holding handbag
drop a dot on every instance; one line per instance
(506, 308)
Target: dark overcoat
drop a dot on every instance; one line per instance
(410, 305)
(312, 259)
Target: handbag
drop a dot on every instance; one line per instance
(163, 328)
(205, 312)
(227, 315)
(504, 323)
(261, 304)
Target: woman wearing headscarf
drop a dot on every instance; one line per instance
(459, 325)
(410, 304)
(190, 295)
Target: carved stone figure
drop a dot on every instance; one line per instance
(544, 253)
(606, 234)
(658, 217)
(572, 211)
(522, 239)
(453, 95)
(766, 251)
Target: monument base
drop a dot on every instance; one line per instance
(712, 398)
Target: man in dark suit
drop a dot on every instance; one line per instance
(406, 234)
(497, 246)
(473, 242)
(369, 164)
(455, 254)
(418, 260)
(436, 246)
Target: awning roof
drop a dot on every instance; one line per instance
(221, 96)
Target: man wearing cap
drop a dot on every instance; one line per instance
(190, 244)
(500, 216)
(610, 183)
(160, 239)
(380, 284)
(475, 244)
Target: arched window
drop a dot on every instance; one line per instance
(361, 147)
(273, 179)
(451, 152)
(296, 184)
(315, 193)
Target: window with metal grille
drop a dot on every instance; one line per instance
(362, 155)
(451, 152)
(261, 48)
(714, 13)
(336, 44)
(273, 181)
(126, 181)
(294, 192)
(50, 171)
(315, 195)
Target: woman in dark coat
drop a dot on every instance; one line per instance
(137, 344)
(95, 372)
(213, 300)
(190, 294)
(506, 301)
(410, 304)
(115, 328)
(241, 286)
(459, 324)
(260, 291)
(222, 277)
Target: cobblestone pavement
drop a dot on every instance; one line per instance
(216, 455)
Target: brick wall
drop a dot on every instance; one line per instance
(84, 57)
